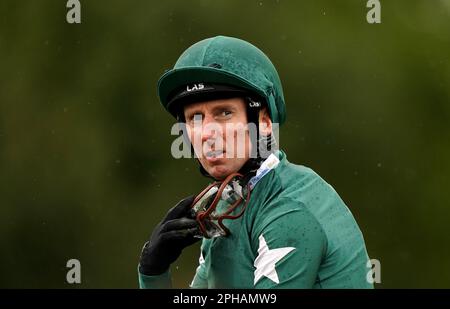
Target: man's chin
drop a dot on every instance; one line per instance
(219, 175)
(221, 168)
(219, 172)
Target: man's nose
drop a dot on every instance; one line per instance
(210, 129)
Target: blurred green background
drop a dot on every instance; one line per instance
(85, 164)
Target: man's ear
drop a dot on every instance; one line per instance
(265, 123)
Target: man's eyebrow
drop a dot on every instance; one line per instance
(221, 107)
(216, 108)
(192, 111)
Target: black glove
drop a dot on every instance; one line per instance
(175, 232)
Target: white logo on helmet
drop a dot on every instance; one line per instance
(254, 104)
(195, 87)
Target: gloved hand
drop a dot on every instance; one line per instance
(175, 232)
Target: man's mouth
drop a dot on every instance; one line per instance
(214, 154)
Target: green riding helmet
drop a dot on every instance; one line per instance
(225, 61)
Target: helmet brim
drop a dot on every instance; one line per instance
(175, 79)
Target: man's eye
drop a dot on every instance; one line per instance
(196, 116)
(226, 113)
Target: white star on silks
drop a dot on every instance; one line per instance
(266, 260)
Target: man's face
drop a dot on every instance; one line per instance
(218, 131)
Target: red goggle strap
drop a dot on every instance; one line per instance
(202, 214)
